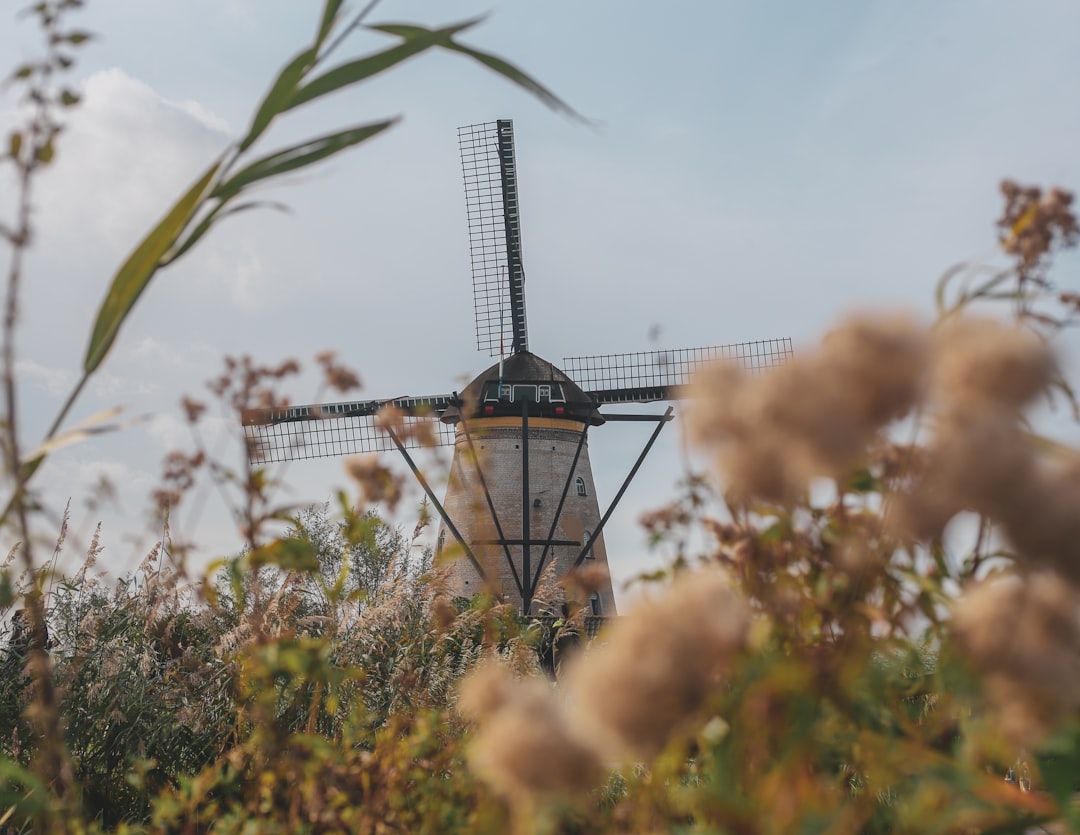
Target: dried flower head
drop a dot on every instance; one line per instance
(1033, 223)
(338, 377)
(981, 457)
(377, 482)
(585, 580)
(443, 613)
(815, 415)
(193, 409)
(659, 665)
(1023, 636)
(524, 748)
(980, 362)
(1040, 518)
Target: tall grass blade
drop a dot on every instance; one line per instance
(136, 272)
(415, 41)
(298, 156)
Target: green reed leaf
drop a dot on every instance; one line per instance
(298, 156)
(415, 41)
(277, 98)
(217, 214)
(131, 279)
(329, 18)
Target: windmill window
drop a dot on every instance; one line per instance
(493, 392)
(586, 538)
(440, 544)
(525, 393)
(579, 482)
(543, 394)
(594, 604)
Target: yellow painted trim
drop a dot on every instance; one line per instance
(515, 422)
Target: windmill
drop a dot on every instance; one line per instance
(520, 500)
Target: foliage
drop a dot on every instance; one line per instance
(836, 659)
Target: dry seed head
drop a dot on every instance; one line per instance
(816, 414)
(1023, 636)
(659, 665)
(443, 613)
(524, 748)
(979, 460)
(881, 358)
(587, 579)
(338, 377)
(377, 483)
(1041, 519)
(979, 361)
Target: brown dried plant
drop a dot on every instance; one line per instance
(658, 666)
(813, 416)
(1033, 224)
(525, 747)
(1023, 636)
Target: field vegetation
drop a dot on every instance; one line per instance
(880, 634)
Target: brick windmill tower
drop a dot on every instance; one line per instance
(521, 503)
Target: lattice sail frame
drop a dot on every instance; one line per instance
(335, 429)
(492, 207)
(648, 376)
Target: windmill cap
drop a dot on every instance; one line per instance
(524, 376)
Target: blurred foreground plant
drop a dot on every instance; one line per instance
(844, 658)
(881, 632)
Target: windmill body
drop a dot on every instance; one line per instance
(521, 510)
(521, 442)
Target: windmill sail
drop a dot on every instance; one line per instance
(332, 429)
(491, 200)
(648, 376)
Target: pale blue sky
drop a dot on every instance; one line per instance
(757, 169)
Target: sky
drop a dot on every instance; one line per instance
(747, 170)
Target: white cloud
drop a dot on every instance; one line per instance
(169, 432)
(56, 381)
(126, 152)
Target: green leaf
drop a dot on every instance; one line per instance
(44, 153)
(218, 213)
(7, 589)
(522, 79)
(14, 144)
(290, 553)
(417, 40)
(21, 790)
(329, 18)
(77, 37)
(444, 38)
(298, 156)
(131, 279)
(280, 92)
(863, 481)
(1059, 764)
